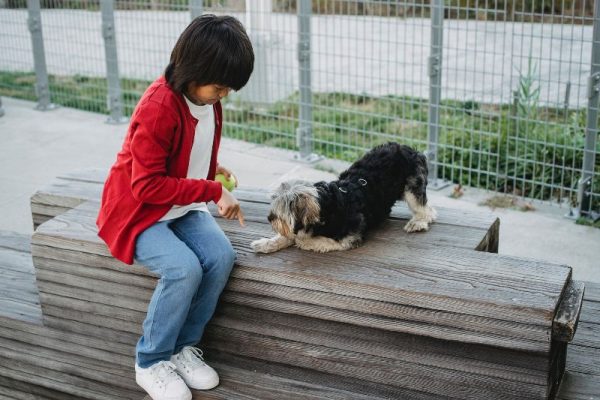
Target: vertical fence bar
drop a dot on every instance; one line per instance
(196, 8)
(591, 126)
(304, 130)
(435, 91)
(42, 87)
(114, 95)
(1, 109)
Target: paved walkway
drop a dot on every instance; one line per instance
(37, 146)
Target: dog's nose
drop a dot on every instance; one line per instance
(271, 217)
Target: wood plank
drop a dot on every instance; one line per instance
(138, 274)
(377, 370)
(124, 302)
(585, 360)
(21, 310)
(38, 392)
(240, 383)
(458, 356)
(30, 351)
(74, 185)
(373, 308)
(387, 324)
(576, 386)
(112, 288)
(386, 269)
(66, 341)
(590, 311)
(70, 367)
(588, 335)
(592, 291)
(15, 241)
(92, 331)
(92, 319)
(59, 381)
(18, 290)
(95, 292)
(357, 387)
(95, 309)
(92, 266)
(567, 314)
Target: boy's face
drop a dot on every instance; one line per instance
(207, 94)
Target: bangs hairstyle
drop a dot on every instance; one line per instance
(211, 50)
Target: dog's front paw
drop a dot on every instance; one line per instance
(416, 225)
(432, 213)
(262, 246)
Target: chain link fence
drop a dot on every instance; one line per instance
(501, 95)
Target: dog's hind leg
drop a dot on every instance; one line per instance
(321, 244)
(423, 214)
(271, 245)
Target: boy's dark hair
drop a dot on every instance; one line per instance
(211, 50)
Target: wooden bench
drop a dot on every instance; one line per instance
(38, 362)
(405, 316)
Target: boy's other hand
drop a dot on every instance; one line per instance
(229, 207)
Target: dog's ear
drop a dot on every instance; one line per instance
(283, 187)
(307, 209)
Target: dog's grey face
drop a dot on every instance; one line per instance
(292, 202)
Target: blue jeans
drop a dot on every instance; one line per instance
(193, 258)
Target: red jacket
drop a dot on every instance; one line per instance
(149, 175)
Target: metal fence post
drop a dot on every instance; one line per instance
(1, 109)
(114, 95)
(42, 87)
(304, 131)
(435, 92)
(591, 126)
(196, 8)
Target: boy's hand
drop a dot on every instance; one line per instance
(227, 173)
(229, 207)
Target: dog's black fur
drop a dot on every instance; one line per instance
(348, 206)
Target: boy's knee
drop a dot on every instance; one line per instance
(187, 268)
(222, 259)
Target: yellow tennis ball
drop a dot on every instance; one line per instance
(228, 184)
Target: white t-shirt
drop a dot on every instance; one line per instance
(200, 156)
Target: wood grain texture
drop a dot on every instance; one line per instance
(18, 289)
(567, 315)
(375, 369)
(445, 272)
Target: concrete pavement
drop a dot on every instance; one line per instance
(37, 146)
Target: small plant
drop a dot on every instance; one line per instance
(528, 91)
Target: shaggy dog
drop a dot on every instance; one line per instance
(328, 216)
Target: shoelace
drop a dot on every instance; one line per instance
(164, 370)
(193, 355)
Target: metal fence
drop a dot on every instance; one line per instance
(502, 95)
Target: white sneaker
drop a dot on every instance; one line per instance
(194, 371)
(161, 382)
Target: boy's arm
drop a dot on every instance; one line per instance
(150, 149)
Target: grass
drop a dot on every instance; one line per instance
(523, 149)
(588, 222)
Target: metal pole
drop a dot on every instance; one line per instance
(1, 109)
(435, 91)
(196, 8)
(591, 127)
(304, 130)
(258, 18)
(42, 88)
(114, 96)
